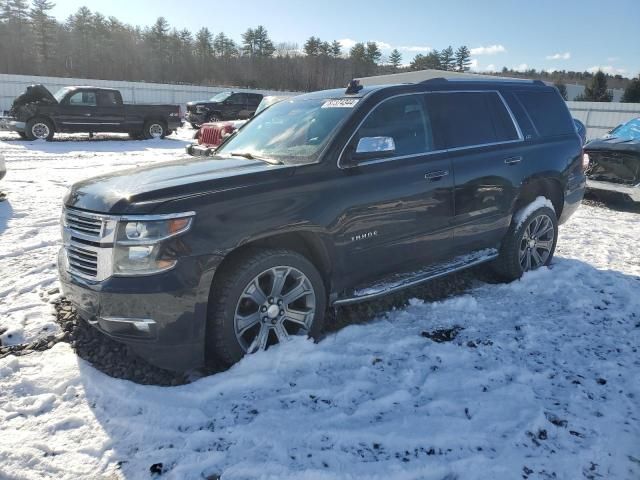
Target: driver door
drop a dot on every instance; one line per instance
(76, 113)
(400, 203)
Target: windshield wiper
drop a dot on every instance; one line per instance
(250, 156)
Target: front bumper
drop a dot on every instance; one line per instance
(631, 191)
(161, 317)
(196, 118)
(198, 150)
(10, 123)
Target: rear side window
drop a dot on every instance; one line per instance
(547, 112)
(107, 98)
(466, 119)
(402, 118)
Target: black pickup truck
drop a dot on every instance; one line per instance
(38, 114)
(326, 199)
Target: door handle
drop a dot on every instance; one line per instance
(435, 175)
(513, 160)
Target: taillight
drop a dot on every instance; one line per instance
(585, 161)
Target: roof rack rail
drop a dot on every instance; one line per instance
(438, 80)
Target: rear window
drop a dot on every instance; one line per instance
(471, 118)
(548, 112)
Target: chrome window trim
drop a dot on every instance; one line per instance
(431, 152)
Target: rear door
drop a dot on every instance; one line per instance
(485, 148)
(253, 100)
(110, 114)
(236, 106)
(76, 113)
(401, 205)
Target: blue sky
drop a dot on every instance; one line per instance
(541, 34)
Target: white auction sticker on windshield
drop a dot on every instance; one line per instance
(340, 103)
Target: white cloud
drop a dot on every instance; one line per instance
(490, 50)
(490, 68)
(523, 67)
(414, 48)
(559, 56)
(610, 69)
(474, 65)
(347, 43)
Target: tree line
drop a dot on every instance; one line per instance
(89, 45)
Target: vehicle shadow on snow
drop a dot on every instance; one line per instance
(6, 212)
(207, 414)
(101, 143)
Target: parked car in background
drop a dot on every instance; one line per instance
(331, 198)
(38, 114)
(223, 106)
(211, 135)
(615, 161)
(581, 129)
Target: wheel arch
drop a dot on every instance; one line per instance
(41, 116)
(548, 187)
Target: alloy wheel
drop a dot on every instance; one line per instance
(276, 304)
(537, 243)
(156, 130)
(40, 130)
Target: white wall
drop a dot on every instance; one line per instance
(600, 117)
(132, 92)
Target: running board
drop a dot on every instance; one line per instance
(398, 282)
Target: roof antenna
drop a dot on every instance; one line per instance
(353, 87)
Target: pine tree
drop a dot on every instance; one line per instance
(562, 88)
(336, 49)
(256, 42)
(463, 59)
(447, 59)
(358, 52)
(325, 49)
(44, 26)
(632, 92)
(312, 47)
(373, 53)
(224, 47)
(596, 91)
(395, 58)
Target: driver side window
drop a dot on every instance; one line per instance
(83, 99)
(402, 118)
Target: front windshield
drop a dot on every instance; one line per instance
(291, 131)
(59, 95)
(220, 97)
(628, 131)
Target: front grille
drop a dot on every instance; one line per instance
(85, 224)
(83, 234)
(211, 135)
(82, 260)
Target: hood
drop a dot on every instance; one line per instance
(34, 93)
(202, 102)
(614, 144)
(140, 190)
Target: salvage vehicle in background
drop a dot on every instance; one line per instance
(38, 114)
(211, 135)
(328, 199)
(223, 106)
(581, 129)
(615, 161)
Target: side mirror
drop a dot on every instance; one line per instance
(370, 148)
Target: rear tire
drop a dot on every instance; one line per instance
(529, 244)
(154, 129)
(261, 298)
(39, 129)
(214, 118)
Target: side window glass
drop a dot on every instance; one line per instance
(403, 119)
(107, 98)
(83, 99)
(502, 122)
(237, 99)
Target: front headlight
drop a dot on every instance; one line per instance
(139, 243)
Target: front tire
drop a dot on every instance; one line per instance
(39, 129)
(262, 298)
(529, 244)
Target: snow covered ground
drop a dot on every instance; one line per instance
(543, 380)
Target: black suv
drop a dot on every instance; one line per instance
(322, 200)
(223, 106)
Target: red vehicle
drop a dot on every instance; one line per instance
(212, 134)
